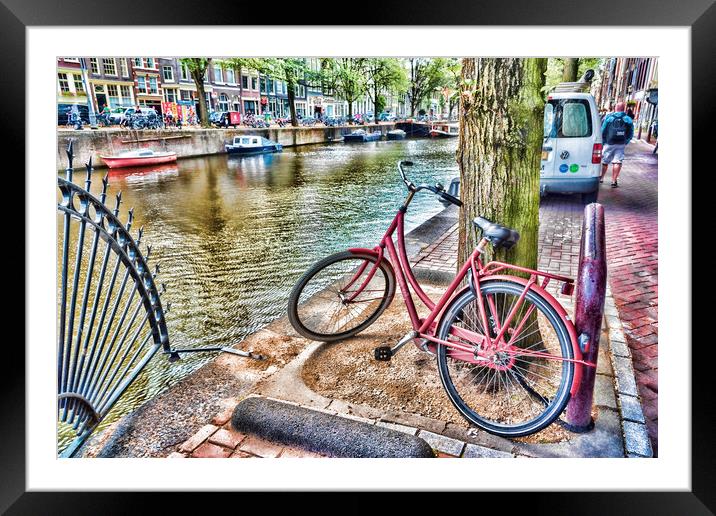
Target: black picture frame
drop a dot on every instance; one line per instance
(699, 15)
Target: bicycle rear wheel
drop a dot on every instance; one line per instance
(324, 306)
(515, 391)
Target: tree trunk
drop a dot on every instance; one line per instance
(241, 94)
(375, 105)
(569, 72)
(501, 112)
(292, 102)
(350, 112)
(201, 108)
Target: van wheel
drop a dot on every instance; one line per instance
(588, 198)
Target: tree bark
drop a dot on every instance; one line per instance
(569, 72)
(292, 102)
(501, 111)
(201, 108)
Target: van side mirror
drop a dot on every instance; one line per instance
(588, 76)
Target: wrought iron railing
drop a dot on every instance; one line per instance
(111, 320)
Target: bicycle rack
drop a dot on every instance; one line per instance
(111, 320)
(588, 312)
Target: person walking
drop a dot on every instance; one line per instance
(617, 132)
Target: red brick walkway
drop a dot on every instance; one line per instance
(632, 251)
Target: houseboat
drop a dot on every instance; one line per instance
(360, 135)
(138, 158)
(246, 145)
(444, 130)
(396, 134)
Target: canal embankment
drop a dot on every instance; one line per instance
(189, 143)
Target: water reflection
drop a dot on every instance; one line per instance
(233, 234)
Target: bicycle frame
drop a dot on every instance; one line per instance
(425, 328)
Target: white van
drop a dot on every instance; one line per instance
(572, 146)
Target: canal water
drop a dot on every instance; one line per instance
(233, 234)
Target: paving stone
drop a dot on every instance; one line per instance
(400, 428)
(624, 374)
(631, 409)
(238, 454)
(636, 439)
(441, 443)
(256, 446)
(604, 395)
(296, 453)
(604, 361)
(227, 437)
(476, 451)
(620, 349)
(414, 420)
(223, 417)
(210, 451)
(195, 440)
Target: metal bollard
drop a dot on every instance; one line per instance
(589, 312)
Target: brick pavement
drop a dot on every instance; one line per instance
(632, 251)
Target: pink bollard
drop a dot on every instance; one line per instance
(588, 312)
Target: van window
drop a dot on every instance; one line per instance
(567, 118)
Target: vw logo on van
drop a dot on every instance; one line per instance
(564, 154)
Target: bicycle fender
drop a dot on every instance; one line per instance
(562, 314)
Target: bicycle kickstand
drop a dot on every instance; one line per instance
(385, 353)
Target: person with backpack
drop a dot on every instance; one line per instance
(617, 132)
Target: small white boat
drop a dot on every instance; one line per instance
(252, 144)
(444, 130)
(396, 134)
(138, 158)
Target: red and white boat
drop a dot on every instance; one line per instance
(138, 158)
(444, 130)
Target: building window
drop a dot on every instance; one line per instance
(170, 95)
(217, 74)
(300, 90)
(153, 85)
(185, 94)
(137, 62)
(230, 76)
(94, 65)
(184, 72)
(71, 59)
(123, 67)
(271, 86)
(150, 62)
(126, 95)
(244, 82)
(113, 96)
(64, 83)
(223, 102)
(255, 83)
(263, 85)
(141, 84)
(168, 74)
(79, 87)
(109, 66)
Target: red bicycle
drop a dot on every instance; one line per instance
(508, 358)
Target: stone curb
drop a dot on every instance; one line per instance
(636, 436)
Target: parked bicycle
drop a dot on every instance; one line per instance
(508, 358)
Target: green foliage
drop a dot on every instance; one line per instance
(555, 67)
(345, 76)
(425, 76)
(380, 104)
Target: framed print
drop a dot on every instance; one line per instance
(290, 208)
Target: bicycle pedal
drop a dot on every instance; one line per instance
(383, 353)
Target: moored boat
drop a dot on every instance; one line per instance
(396, 134)
(138, 158)
(245, 145)
(444, 130)
(360, 135)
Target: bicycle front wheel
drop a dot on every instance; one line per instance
(515, 390)
(340, 296)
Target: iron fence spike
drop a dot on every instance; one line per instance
(70, 154)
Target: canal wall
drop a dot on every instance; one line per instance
(187, 142)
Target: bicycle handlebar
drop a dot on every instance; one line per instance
(437, 189)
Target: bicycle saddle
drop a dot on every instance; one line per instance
(499, 236)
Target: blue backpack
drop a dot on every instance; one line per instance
(616, 130)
